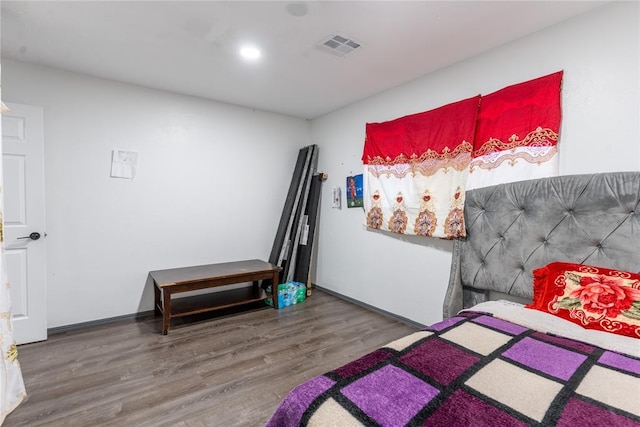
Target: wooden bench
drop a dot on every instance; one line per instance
(177, 280)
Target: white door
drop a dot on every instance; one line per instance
(23, 175)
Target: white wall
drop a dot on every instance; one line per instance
(599, 53)
(213, 177)
(210, 186)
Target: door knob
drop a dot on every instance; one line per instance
(32, 236)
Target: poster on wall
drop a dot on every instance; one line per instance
(354, 191)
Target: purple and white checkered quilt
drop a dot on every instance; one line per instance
(473, 370)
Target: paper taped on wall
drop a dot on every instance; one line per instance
(123, 164)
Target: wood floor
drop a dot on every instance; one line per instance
(222, 370)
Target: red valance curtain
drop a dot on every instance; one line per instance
(439, 133)
(517, 133)
(416, 169)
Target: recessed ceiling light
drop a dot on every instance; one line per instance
(250, 53)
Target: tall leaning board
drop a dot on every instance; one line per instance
(293, 243)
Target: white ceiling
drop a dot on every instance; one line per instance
(190, 47)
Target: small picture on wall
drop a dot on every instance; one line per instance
(354, 191)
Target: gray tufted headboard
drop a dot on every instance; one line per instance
(515, 228)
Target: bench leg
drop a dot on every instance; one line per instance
(274, 288)
(166, 311)
(157, 302)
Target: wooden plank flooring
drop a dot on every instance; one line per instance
(212, 370)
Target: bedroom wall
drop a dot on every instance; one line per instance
(599, 53)
(210, 186)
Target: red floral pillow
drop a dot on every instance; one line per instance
(592, 297)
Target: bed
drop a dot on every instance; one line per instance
(541, 321)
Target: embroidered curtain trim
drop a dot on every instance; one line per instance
(537, 147)
(536, 155)
(446, 155)
(537, 138)
(426, 167)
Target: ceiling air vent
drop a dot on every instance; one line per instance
(338, 45)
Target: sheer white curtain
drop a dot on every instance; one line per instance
(12, 390)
